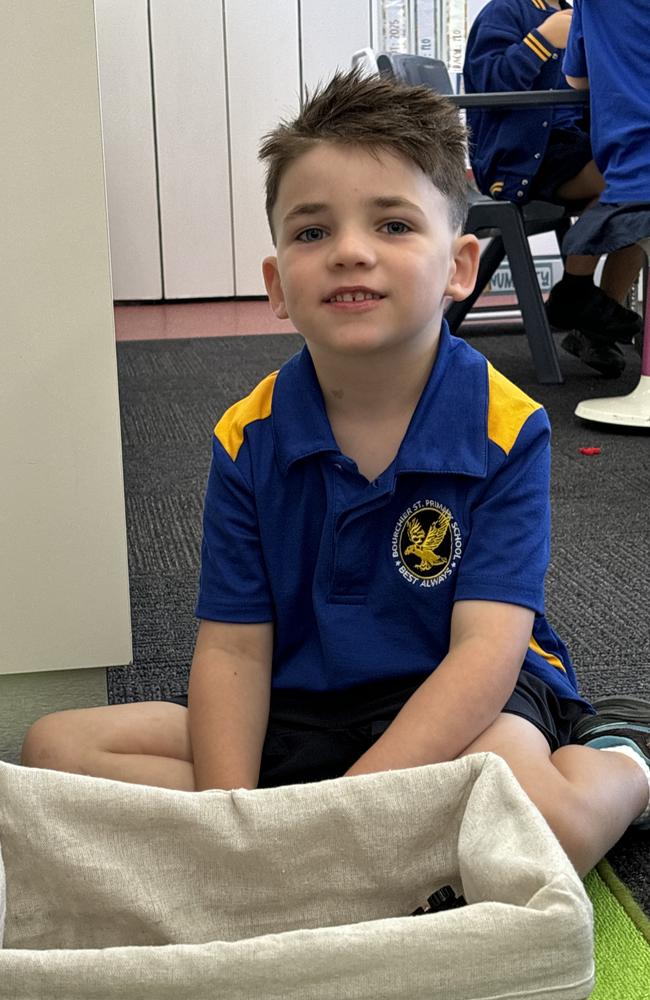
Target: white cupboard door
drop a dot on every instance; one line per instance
(192, 138)
(262, 54)
(129, 151)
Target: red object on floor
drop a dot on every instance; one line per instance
(589, 451)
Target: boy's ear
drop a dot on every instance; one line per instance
(274, 287)
(464, 267)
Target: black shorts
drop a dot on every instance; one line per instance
(312, 736)
(567, 153)
(606, 227)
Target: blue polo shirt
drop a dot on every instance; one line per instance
(360, 578)
(505, 51)
(609, 44)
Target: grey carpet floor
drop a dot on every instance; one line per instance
(173, 392)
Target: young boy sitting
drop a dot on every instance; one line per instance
(376, 525)
(545, 154)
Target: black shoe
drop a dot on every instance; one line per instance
(597, 314)
(618, 708)
(638, 344)
(604, 356)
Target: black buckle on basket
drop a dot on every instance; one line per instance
(442, 899)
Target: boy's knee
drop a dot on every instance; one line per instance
(48, 743)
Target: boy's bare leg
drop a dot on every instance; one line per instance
(622, 266)
(146, 743)
(588, 798)
(621, 270)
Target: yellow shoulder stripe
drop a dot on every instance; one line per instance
(256, 406)
(508, 410)
(553, 660)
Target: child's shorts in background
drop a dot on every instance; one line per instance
(567, 153)
(312, 736)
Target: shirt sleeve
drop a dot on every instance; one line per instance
(233, 583)
(575, 57)
(505, 55)
(507, 552)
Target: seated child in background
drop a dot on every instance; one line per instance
(376, 527)
(616, 39)
(545, 153)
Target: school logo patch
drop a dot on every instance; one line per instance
(427, 544)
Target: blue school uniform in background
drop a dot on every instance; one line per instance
(609, 45)
(617, 64)
(360, 578)
(506, 52)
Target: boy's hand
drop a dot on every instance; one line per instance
(555, 28)
(464, 694)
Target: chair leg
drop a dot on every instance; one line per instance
(540, 340)
(491, 257)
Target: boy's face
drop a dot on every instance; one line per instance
(365, 252)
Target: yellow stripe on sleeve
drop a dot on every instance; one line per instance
(508, 410)
(496, 187)
(256, 406)
(553, 660)
(537, 47)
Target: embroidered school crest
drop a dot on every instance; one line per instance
(427, 543)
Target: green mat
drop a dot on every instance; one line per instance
(622, 939)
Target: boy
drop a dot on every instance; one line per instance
(545, 154)
(615, 41)
(376, 518)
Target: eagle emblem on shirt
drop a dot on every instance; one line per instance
(427, 543)
(424, 544)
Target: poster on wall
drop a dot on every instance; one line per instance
(436, 28)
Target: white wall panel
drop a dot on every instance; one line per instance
(264, 85)
(191, 127)
(64, 597)
(330, 35)
(127, 118)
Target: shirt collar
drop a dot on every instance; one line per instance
(448, 430)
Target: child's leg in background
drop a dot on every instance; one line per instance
(621, 270)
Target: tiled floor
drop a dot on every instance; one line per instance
(175, 320)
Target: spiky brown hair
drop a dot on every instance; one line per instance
(379, 114)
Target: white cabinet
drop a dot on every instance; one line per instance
(129, 148)
(263, 86)
(64, 595)
(330, 33)
(188, 89)
(189, 76)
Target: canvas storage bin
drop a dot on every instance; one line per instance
(119, 890)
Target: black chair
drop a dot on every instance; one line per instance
(506, 224)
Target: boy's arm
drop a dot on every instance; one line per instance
(578, 82)
(228, 702)
(575, 59)
(463, 696)
(506, 55)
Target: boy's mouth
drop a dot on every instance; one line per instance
(356, 293)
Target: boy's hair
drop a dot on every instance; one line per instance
(380, 114)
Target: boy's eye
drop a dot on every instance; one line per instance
(311, 235)
(396, 228)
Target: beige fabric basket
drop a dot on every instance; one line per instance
(119, 890)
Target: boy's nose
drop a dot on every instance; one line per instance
(351, 249)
